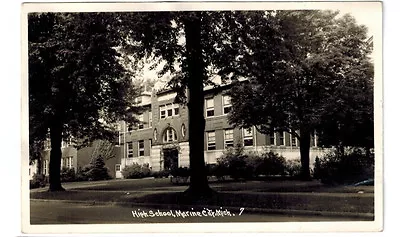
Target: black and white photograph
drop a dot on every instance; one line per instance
(230, 116)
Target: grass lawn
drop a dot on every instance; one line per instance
(293, 195)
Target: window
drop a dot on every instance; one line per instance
(169, 110)
(71, 162)
(227, 103)
(293, 140)
(63, 162)
(183, 130)
(281, 138)
(150, 119)
(162, 113)
(155, 134)
(211, 141)
(67, 162)
(228, 138)
(130, 149)
(248, 137)
(141, 148)
(170, 135)
(272, 140)
(210, 107)
(117, 167)
(45, 165)
(140, 118)
(313, 139)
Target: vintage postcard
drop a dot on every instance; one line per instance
(201, 117)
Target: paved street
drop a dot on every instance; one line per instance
(70, 213)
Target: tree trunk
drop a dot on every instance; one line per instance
(39, 165)
(55, 157)
(196, 74)
(305, 154)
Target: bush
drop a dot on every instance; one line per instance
(67, 175)
(97, 170)
(271, 164)
(180, 172)
(160, 174)
(293, 167)
(81, 173)
(355, 165)
(233, 163)
(136, 171)
(38, 181)
(239, 165)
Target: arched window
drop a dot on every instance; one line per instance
(169, 135)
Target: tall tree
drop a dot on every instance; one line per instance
(297, 64)
(77, 85)
(189, 44)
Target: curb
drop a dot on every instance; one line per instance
(235, 209)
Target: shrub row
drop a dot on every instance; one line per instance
(352, 166)
(136, 171)
(239, 165)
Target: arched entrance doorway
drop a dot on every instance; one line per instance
(170, 149)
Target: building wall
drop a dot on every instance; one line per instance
(154, 144)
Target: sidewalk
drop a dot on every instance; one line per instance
(256, 197)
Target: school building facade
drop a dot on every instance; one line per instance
(161, 140)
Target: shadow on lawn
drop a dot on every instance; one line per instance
(354, 203)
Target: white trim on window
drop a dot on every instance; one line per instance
(141, 120)
(150, 119)
(45, 167)
(282, 141)
(314, 139)
(272, 139)
(129, 150)
(209, 104)
(141, 148)
(248, 136)
(170, 135)
(228, 137)
(169, 110)
(211, 145)
(226, 104)
(293, 140)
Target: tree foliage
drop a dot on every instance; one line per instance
(77, 85)
(306, 70)
(186, 43)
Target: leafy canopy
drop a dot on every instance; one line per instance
(75, 75)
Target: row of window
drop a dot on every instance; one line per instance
(276, 139)
(209, 104)
(140, 149)
(66, 162)
(248, 139)
(64, 143)
(169, 110)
